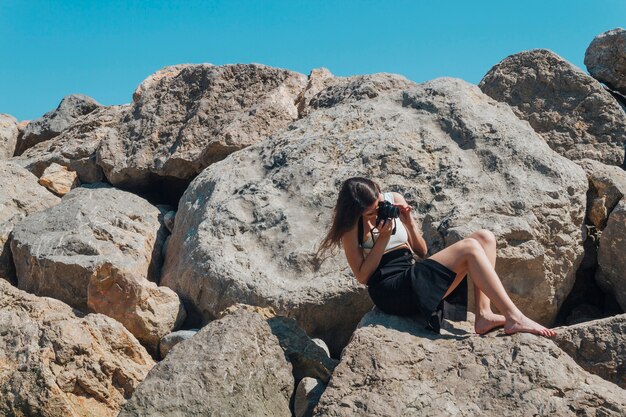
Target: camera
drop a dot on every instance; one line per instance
(387, 211)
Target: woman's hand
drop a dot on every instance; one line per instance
(405, 213)
(385, 228)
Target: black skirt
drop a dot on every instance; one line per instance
(403, 285)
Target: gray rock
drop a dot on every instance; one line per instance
(598, 346)
(248, 227)
(8, 135)
(605, 59)
(393, 367)
(71, 109)
(306, 357)
(97, 251)
(233, 366)
(322, 344)
(185, 117)
(612, 255)
(607, 186)
(172, 339)
(20, 196)
(57, 362)
(307, 396)
(576, 116)
(75, 148)
(168, 219)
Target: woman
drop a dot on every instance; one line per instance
(434, 287)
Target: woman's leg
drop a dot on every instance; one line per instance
(485, 319)
(469, 256)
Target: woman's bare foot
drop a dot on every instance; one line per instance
(487, 321)
(522, 324)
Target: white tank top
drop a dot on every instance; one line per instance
(397, 239)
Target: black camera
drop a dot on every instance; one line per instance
(387, 211)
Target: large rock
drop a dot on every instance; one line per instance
(568, 108)
(8, 135)
(75, 148)
(97, 251)
(607, 186)
(234, 366)
(20, 196)
(605, 59)
(56, 362)
(247, 228)
(71, 109)
(393, 367)
(185, 117)
(612, 255)
(59, 179)
(598, 346)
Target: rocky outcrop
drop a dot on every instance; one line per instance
(393, 366)
(576, 116)
(247, 228)
(75, 148)
(605, 59)
(185, 117)
(71, 109)
(612, 255)
(234, 366)
(56, 362)
(98, 251)
(607, 186)
(598, 346)
(20, 196)
(8, 135)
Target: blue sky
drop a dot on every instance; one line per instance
(105, 48)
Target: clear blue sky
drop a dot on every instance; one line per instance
(105, 48)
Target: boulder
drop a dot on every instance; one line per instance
(185, 117)
(612, 255)
(248, 227)
(607, 186)
(71, 109)
(172, 339)
(99, 250)
(598, 346)
(575, 115)
(393, 366)
(54, 361)
(8, 135)
(75, 148)
(59, 179)
(307, 396)
(233, 366)
(605, 59)
(20, 196)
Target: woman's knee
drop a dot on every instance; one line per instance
(471, 247)
(485, 237)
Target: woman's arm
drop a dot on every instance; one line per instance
(364, 266)
(417, 242)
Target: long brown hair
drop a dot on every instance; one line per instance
(355, 196)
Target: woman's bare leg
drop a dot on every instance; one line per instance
(468, 255)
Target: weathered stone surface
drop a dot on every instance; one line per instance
(233, 366)
(598, 346)
(307, 396)
(247, 228)
(168, 219)
(612, 255)
(20, 196)
(8, 135)
(607, 186)
(58, 179)
(185, 117)
(55, 362)
(71, 109)
(318, 80)
(97, 251)
(394, 367)
(605, 59)
(76, 146)
(576, 116)
(172, 339)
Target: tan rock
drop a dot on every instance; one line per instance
(56, 362)
(59, 179)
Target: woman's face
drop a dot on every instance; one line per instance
(370, 213)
